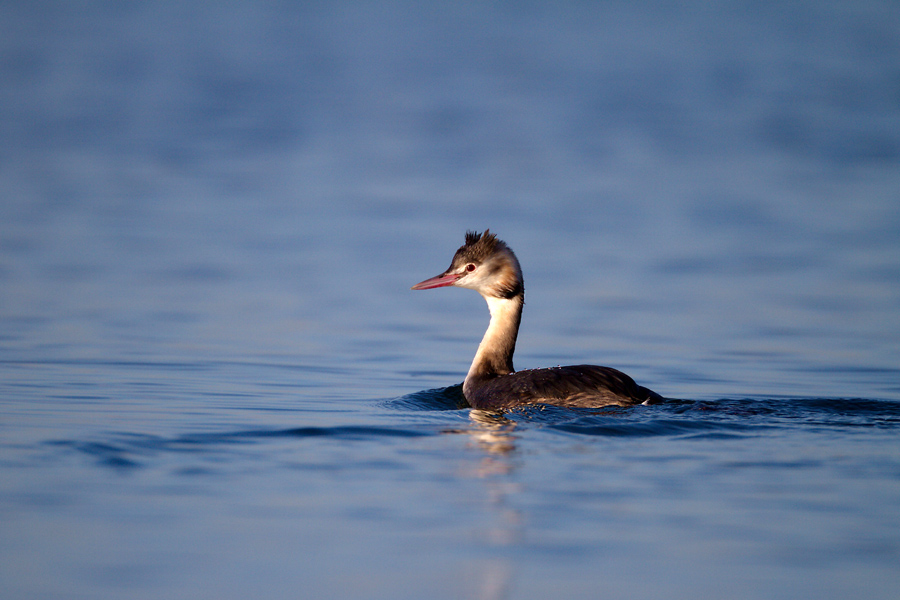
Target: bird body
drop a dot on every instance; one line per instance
(487, 265)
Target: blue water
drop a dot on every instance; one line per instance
(216, 383)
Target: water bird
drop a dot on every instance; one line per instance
(488, 266)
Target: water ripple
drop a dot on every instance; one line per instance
(124, 451)
(723, 419)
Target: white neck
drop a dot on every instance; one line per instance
(495, 353)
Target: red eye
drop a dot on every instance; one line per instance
(470, 267)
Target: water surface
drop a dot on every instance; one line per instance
(215, 382)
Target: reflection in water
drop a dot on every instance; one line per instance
(494, 577)
(493, 433)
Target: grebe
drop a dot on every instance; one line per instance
(487, 265)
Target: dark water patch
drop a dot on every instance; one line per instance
(342, 432)
(656, 427)
(84, 398)
(128, 451)
(447, 398)
(106, 454)
(723, 419)
(617, 421)
(833, 412)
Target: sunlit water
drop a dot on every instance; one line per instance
(216, 383)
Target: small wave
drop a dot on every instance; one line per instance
(342, 432)
(658, 427)
(128, 451)
(720, 419)
(117, 456)
(726, 418)
(447, 398)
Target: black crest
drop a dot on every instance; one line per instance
(479, 246)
